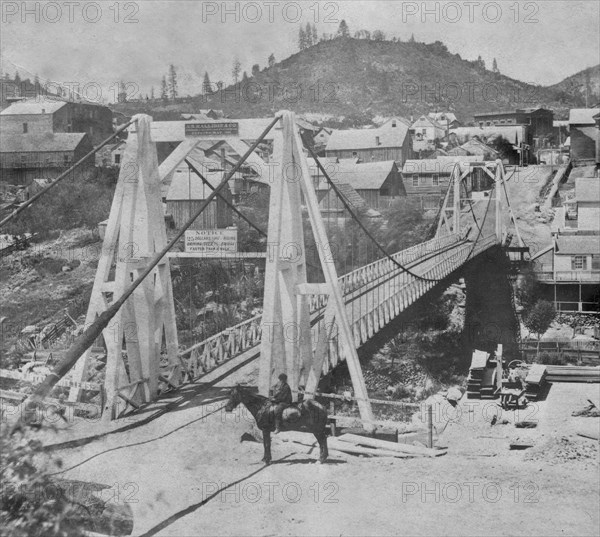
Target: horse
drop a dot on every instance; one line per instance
(307, 416)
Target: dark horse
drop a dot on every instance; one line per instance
(307, 416)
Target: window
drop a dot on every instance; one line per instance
(117, 158)
(377, 140)
(393, 123)
(596, 262)
(578, 262)
(415, 180)
(25, 128)
(66, 159)
(436, 179)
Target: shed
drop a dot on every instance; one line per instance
(187, 192)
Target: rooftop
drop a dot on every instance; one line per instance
(583, 116)
(33, 107)
(364, 176)
(367, 138)
(442, 165)
(511, 113)
(515, 134)
(578, 245)
(41, 143)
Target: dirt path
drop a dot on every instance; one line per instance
(187, 474)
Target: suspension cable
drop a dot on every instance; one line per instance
(227, 202)
(362, 226)
(32, 200)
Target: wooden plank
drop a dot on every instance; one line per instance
(32, 377)
(337, 444)
(312, 289)
(384, 444)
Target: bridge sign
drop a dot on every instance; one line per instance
(211, 242)
(212, 129)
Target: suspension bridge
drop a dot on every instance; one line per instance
(309, 323)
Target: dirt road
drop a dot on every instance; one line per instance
(187, 474)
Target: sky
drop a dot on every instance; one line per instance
(95, 45)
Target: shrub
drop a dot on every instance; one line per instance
(31, 504)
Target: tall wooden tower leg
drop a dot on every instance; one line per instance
(286, 341)
(144, 328)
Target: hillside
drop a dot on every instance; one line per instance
(360, 79)
(576, 86)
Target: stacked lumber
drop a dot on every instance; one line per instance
(353, 444)
(572, 373)
(476, 374)
(535, 381)
(383, 447)
(488, 383)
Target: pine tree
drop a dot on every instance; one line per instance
(236, 70)
(164, 90)
(412, 38)
(495, 66)
(244, 78)
(309, 35)
(301, 38)
(343, 30)
(315, 35)
(206, 86)
(17, 78)
(255, 69)
(152, 93)
(172, 82)
(271, 60)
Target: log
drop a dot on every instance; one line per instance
(589, 432)
(346, 447)
(390, 446)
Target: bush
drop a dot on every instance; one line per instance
(31, 504)
(400, 391)
(82, 200)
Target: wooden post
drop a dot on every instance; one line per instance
(499, 367)
(499, 179)
(430, 426)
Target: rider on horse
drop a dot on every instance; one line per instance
(282, 397)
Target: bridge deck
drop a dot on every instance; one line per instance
(375, 294)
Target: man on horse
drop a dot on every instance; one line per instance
(282, 397)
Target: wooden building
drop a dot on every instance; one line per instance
(24, 157)
(425, 131)
(377, 183)
(584, 133)
(390, 141)
(428, 179)
(539, 122)
(187, 192)
(44, 115)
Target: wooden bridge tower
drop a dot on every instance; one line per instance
(144, 329)
(286, 343)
